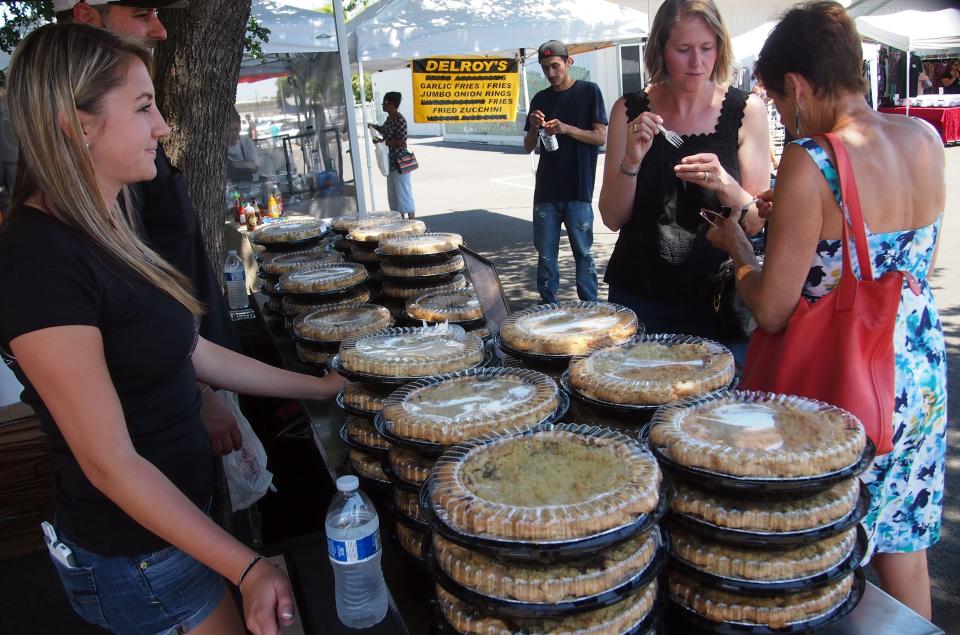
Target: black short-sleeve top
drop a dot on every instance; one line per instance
(662, 253)
(54, 276)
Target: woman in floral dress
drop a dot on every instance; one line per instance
(810, 66)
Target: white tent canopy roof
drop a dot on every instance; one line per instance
(914, 30)
(392, 32)
(295, 30)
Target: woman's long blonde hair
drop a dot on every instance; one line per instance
(57, 71)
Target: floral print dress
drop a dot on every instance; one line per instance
(906, 485)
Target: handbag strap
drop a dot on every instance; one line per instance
(850, 199)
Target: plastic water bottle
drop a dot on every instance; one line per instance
(236, 281)
(550, 143)
(353, 542)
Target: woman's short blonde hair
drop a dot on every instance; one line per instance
(669, 14)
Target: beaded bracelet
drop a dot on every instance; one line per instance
(628, 172)
(250, 566)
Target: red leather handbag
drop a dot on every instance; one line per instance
(839, 349)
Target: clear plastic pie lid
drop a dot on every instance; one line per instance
(373, 232)
(621, 617)
(568, 328)
(798, 513)
(457, 305)
(653, 369)
(279, 264)
(415, 347)
(428, 243)
(471, 403)
(346, 223)
(554, 483)
(362, 431)
(333, 325)
(546, 583)
(758, 434)
(288, 231)
(358, 396)
(409, 465)
(404, 291)
(322, 277)
(745, 564)
(294, 307)
(776, 610)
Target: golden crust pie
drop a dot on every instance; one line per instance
(454, 265)
(409, 466)
(527, 582)
(610, 620)
(411, 352)
(334, 325)
(392, 290)
(410, 539)
(408, 504)
(288, 231)
(358, 396)
(568, 328)
(466, 407)
(762, 565)
(367, 465)
(759, 435)
(313, 356)
(373, 232)
(776, 610)
(653, 370)
(346, 223)
(323, 278)
(459, 305)
(558, 484)
(279, 264)
(794, 514)
(294, 307)
(363, 432)
(422, 245)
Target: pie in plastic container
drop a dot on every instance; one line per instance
(335, 325)
(568, 328)
(361, 431)
(323, 278)
(368, 466)
(470, 404)
(373, 232)
(421, 245)
(461, 305)
(411, 352)
(361, 399)
(409, 466)
(279, 264)
(553, 483)
(653, 369)
(294, 306)
(404, 291)
(289, 231)
(763, 435)
(345, 223)
(431, 270)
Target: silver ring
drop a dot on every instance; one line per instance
(706, 175)
(636, 128)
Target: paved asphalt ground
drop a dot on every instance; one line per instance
(485, 193)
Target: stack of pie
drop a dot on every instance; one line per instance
(411, 352)
(802, 542)
(568, 328)
(533, 492)
(459, 305)
(344, 224)
(653, 370)
(428, 244)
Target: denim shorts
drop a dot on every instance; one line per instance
(163, 592)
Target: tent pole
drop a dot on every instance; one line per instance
(526, 94)
(366, 131)
(344, 55)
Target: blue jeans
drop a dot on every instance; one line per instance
(400, 192)
(577, 217)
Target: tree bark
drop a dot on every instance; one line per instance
(196, 73)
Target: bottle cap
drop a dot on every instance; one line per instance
(348, 483)
(232, 252)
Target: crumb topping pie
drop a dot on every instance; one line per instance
(446, 306)
(323, 278)
(422, 245)
(412, 352)
(653, 369)
(334, 325)
(563, 483)
(373, 232)
(759, 435)
(568, 328)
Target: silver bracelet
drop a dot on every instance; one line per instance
(628, 172)
(255, 560)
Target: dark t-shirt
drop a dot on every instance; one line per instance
(170, 225)
(567, 174)
(53, 276)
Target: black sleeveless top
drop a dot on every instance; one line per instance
(662, 253)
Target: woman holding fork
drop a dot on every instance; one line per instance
(684, 143)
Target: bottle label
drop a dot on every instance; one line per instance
(231, 276)
(353, 551)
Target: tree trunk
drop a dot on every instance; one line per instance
(196, 75)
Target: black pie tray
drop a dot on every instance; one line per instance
(291, 245)
(418, 259)
(774, 540)
(396, 479)
(356, 445)
(325, 295)
(365, 245)
(546, 552)
(394, 382)
(730, 485)
(680, 619)
(750, 587)
(269, 277)
(428, 448)
(366, 414)
(514, 608)
(638, 412)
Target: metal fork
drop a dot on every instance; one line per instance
(672, 137)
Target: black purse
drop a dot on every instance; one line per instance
(736, 320)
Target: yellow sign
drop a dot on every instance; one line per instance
(459, 88)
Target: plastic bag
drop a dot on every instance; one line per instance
(383, 158)
(248, 478)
